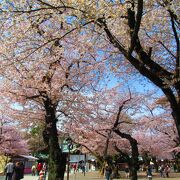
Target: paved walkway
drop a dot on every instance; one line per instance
(95, 176)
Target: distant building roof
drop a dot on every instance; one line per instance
(28, 157)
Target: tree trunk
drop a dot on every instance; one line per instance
(175, 105)
(133, 164)
(57, 160)
(176, 116)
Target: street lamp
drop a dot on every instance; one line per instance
(70, 147)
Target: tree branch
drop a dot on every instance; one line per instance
(177, 45)
(135, 24)
(116, 123)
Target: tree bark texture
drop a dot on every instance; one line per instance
(57, 160)
(133, 164)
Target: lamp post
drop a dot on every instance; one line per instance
(70, 147)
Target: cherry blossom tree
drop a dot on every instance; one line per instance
(152, 129)
(101, 143)
(160, 122)
(143, 33)
(157, 135)
(105, 129)
(40, 79)
(12, 142)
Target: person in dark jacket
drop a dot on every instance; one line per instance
(17, 172)
(149, 173)
(22, 170)
(108, 172)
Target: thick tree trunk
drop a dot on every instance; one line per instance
(176, 116)
(57, 160)
(175, 105)
(134, 166)
(133, 163)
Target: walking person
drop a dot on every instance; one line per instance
(108, 172)
(45, 169)
(9, 170)
(17, 173)
(22, 170)
(161, 170)
(75, 167)
(127, 171)
(39, 167)
(149, 172)
(83, 167)
(33, 170)
(42, 174)
(167, 170)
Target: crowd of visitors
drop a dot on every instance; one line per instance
(15, 171)
(76, 167)
(40, 170)
(164, 170)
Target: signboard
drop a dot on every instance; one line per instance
(64, 147)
